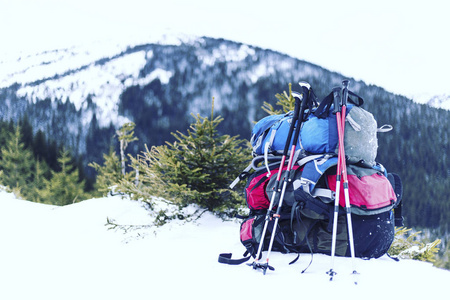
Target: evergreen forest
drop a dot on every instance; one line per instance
(36, 168)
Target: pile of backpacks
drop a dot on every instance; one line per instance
(314, 185)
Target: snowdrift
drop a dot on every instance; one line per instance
(50, 252)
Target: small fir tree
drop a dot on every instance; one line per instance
(64, 187)
(412, 247)
(196, 168)
(114, 169)
(41, 172)
(109, 174)
(443, 260)
(287, 103)
(17, 164)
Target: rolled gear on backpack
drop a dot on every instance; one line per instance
(360, 138)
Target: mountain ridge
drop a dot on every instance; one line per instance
(108, 53)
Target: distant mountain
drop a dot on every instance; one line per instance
(437, 101)
(440, 101)
(81, 96)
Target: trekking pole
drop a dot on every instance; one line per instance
(340, 109)
(256, 263)
(306, 88)
(337, 110)
(344, 175)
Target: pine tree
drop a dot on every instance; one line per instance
(41, 171)
(17, 164)
(126, 136)
(109, 174)
(287, 102)
(412, 247)
(64, 187)
(114, 169)
(40, 146)
(5, 132)
(196, 168)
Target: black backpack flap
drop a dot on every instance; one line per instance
(373, 234)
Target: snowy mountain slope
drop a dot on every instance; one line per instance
(102, 73)
(76, 74)
(157, 84)
(67, 252)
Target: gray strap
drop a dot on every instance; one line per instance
(385, 128)
(326, 193)
(353, 123)
(309, 158)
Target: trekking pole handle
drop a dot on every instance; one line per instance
(305, 94)
(304, 84)
(306, 91)
(345, 91)
(294, 120)
(337, 99)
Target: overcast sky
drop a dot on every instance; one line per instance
(400, 45)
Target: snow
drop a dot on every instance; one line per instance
(97, 70)
(225, 54)
(50, 252)
(163, 76)
(103, 82)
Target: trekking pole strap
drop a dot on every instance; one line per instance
(241, 176)
(225, 258)
(324, 108)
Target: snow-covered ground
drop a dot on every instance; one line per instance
(49, 252)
